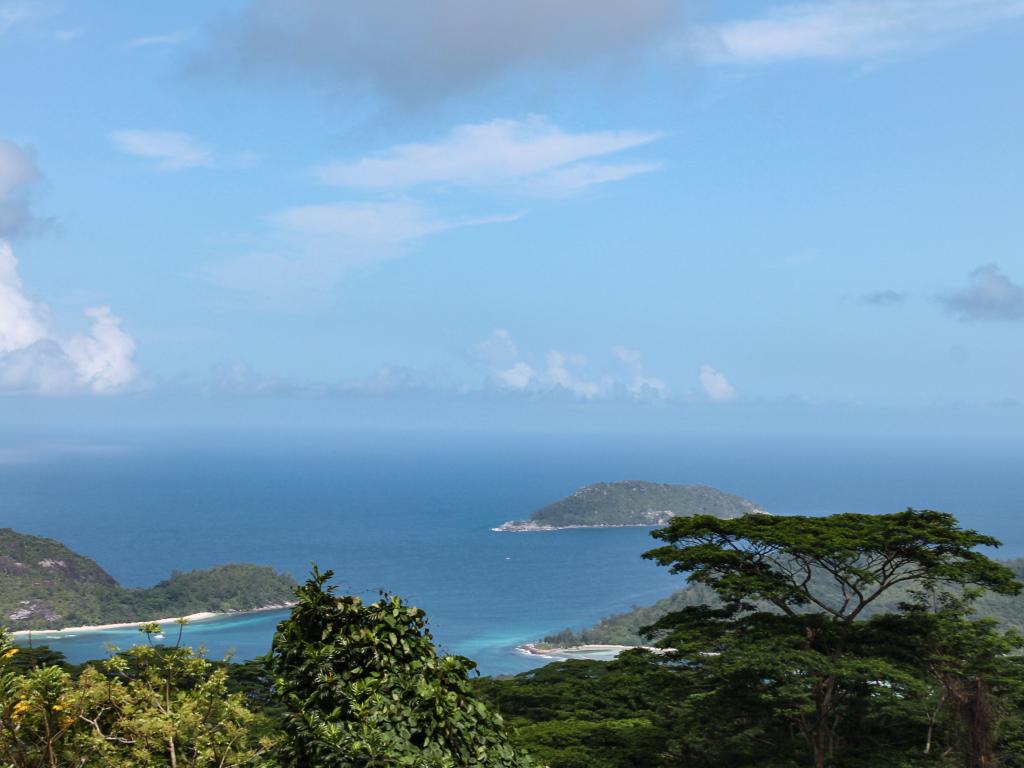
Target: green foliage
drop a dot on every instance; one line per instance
(148, 708)
(625, 628)
(809, 665)
(634, 502)
(591, 713)
(44, 584)
(363, 686)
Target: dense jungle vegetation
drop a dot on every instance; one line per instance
(821, 679)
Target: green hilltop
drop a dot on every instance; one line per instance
(632, 503)
(46, 585)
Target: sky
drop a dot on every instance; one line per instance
(549, 214)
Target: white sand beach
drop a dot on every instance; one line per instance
(128, 624)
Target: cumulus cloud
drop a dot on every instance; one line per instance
(500, 355)
(413, 52)
(519, 376)
(169, 150)
(715, 385)
(562, 371)
(846, 29)
(637, 383)
(883, 298)
(531, 155)
(34, 359)
(990, 296)
(18, 176)
(496, 349)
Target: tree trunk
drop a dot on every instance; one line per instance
(977, 719)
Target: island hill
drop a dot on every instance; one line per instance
(632, 503)
(45, 585)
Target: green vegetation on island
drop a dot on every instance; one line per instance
(46, 585)
(632, 503)
(626, 628)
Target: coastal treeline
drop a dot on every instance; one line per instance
(791, 665)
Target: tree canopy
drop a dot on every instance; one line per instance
(363, 686)
(785, 641)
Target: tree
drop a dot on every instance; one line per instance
(149, 707)
(787, 637)
(364, 686)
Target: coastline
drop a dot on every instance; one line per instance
(591, 650)
(534, 649)
(535, 528)
(201, 616)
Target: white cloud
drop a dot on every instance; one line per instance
(560, 374)
(18, 175)
(715, 385)
(519, 376)
(497, 349)
(528, 155)
(638, 384)
(846, 29)
(34, 359)
(565, 372)
(171, 150)
(105, 356)
(173, 38)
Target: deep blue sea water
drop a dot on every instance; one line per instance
(412, 514)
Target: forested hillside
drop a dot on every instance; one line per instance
(46, 585)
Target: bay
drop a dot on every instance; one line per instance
(412, 514)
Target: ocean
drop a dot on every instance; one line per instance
(412, 514)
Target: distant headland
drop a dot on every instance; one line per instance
(44, 585)
(632, 503)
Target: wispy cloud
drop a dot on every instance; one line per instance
(170, 150)
(846, 29)
(885, 297)
(13, 14)
(309, 249)
(990, 296)
(531, 155)
(35, 359)
(388, 222)
(67, 35)
(168, 39)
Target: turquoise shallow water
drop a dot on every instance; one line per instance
(412, 515)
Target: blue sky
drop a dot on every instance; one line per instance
(730, 215)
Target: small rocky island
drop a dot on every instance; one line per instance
(632, 503)
(46, 585)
